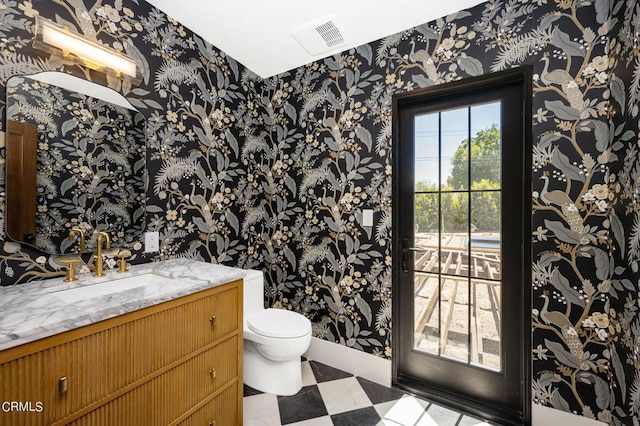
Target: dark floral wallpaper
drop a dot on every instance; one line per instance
(91, 164)
(274, 174)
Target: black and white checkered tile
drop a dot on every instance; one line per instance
(333, 397)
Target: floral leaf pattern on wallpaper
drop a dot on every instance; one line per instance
(267, 194)
(196, 187)
(346, 278)
(274, 174)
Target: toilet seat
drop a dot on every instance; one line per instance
(279, 323)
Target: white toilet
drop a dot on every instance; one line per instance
(274, 340)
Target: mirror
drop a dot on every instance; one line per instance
(75, 159)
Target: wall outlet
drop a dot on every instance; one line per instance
(151, 242)
(367, 217)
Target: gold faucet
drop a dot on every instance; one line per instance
(69, 260)
(99, 264)
(71, 269)
(77, 231)
(122, 262)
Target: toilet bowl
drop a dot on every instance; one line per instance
(274, 340)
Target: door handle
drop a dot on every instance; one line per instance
(405, 255)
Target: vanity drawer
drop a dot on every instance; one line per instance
(223, 410)
(211, 317)
(167, 397)
(168, 335)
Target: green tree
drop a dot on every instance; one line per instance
(454, 206)
(426, 206)
(455, 211)
(485, 159)
(485, 206)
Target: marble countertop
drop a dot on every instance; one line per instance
(32, 311)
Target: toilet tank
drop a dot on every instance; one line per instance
(253, 291)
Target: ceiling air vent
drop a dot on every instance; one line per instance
(319, 36)
(330, 33)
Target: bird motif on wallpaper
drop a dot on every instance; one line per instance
(202, 204)
(559, 198)
(422, 57)
(556, 318)
(568, 85)
(566, 204)
(569, 333)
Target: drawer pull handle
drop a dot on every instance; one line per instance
(212, 320)
(212, 373)
(62, 385)
(212, 423)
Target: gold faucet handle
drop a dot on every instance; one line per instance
(122, 260)
(111, 252)
(71, 269)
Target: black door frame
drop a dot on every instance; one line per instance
(469, 86)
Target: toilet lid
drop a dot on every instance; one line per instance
(279, 323)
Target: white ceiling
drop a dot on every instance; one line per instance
(257, 33)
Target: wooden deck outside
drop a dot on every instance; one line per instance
(465, 324)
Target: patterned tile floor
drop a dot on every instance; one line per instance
(333, 397)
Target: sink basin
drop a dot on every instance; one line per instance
(109, 287)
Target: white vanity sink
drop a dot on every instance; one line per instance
(108, 287)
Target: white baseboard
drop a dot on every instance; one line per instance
(378, 370)
(545, 416)
(351, 360)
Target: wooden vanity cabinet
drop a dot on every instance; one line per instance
(166, 364)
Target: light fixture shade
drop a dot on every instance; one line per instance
(55, 39)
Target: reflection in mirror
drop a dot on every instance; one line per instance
(89, 172)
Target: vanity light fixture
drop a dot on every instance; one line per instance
(58, 40)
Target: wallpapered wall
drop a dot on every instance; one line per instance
(274, 174)
(91, 164)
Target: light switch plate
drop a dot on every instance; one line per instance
(151, 242)
(367, 217)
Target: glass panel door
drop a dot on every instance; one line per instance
(461, 221)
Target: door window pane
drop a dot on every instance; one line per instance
(454, 318)
(485, 144)
(427, 217)
(485, 324)
(485, 235)
(426, 237)
(454, 155)
(427, 313)
(454, 219)
(427, 151)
